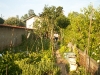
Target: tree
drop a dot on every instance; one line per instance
(23, 18)
(49, 15)
(31, 13)
(78, 30)
(59, 11)
(62, 21)
(28, 15)
(1, 20)
(14, 21)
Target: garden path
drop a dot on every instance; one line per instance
(61, 63)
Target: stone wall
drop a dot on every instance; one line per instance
(11, 36)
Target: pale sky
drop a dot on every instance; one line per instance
(10, 8)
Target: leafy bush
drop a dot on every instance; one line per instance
(63, 49)
(40, 63)
(7, 65)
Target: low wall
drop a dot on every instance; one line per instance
(11, 36)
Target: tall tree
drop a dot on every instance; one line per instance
(28, 15)
(49, 16)
(78, 31)
(62, 21)
(59, 11)
(23, 18)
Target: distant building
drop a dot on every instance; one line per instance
(30, 22)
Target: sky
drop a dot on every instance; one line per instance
(11, 8)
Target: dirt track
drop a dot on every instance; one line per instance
(61, 63)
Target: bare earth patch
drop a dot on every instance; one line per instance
(61, 63)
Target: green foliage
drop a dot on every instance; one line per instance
(28, 58)
(49, 15)
(14, 21)
(62, 21)
(59, 11)
(28, 64)
(34, 55)
(1, 20)
(80, 71)
(33, 43)
(25, 17)
(7, 65)
(31, 13)
(78, 31)
(38, 64)
(63, 50)
(28, 15)
(67, 68)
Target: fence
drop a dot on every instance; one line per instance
(89, 63)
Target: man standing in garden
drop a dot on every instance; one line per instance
(56, 37)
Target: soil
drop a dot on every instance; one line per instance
(61, 63)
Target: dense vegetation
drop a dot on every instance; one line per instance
(85, 32)
(29, 59)
(14, 21)
(35, 54)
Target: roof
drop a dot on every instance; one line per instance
(30, 17)
(10, 26)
